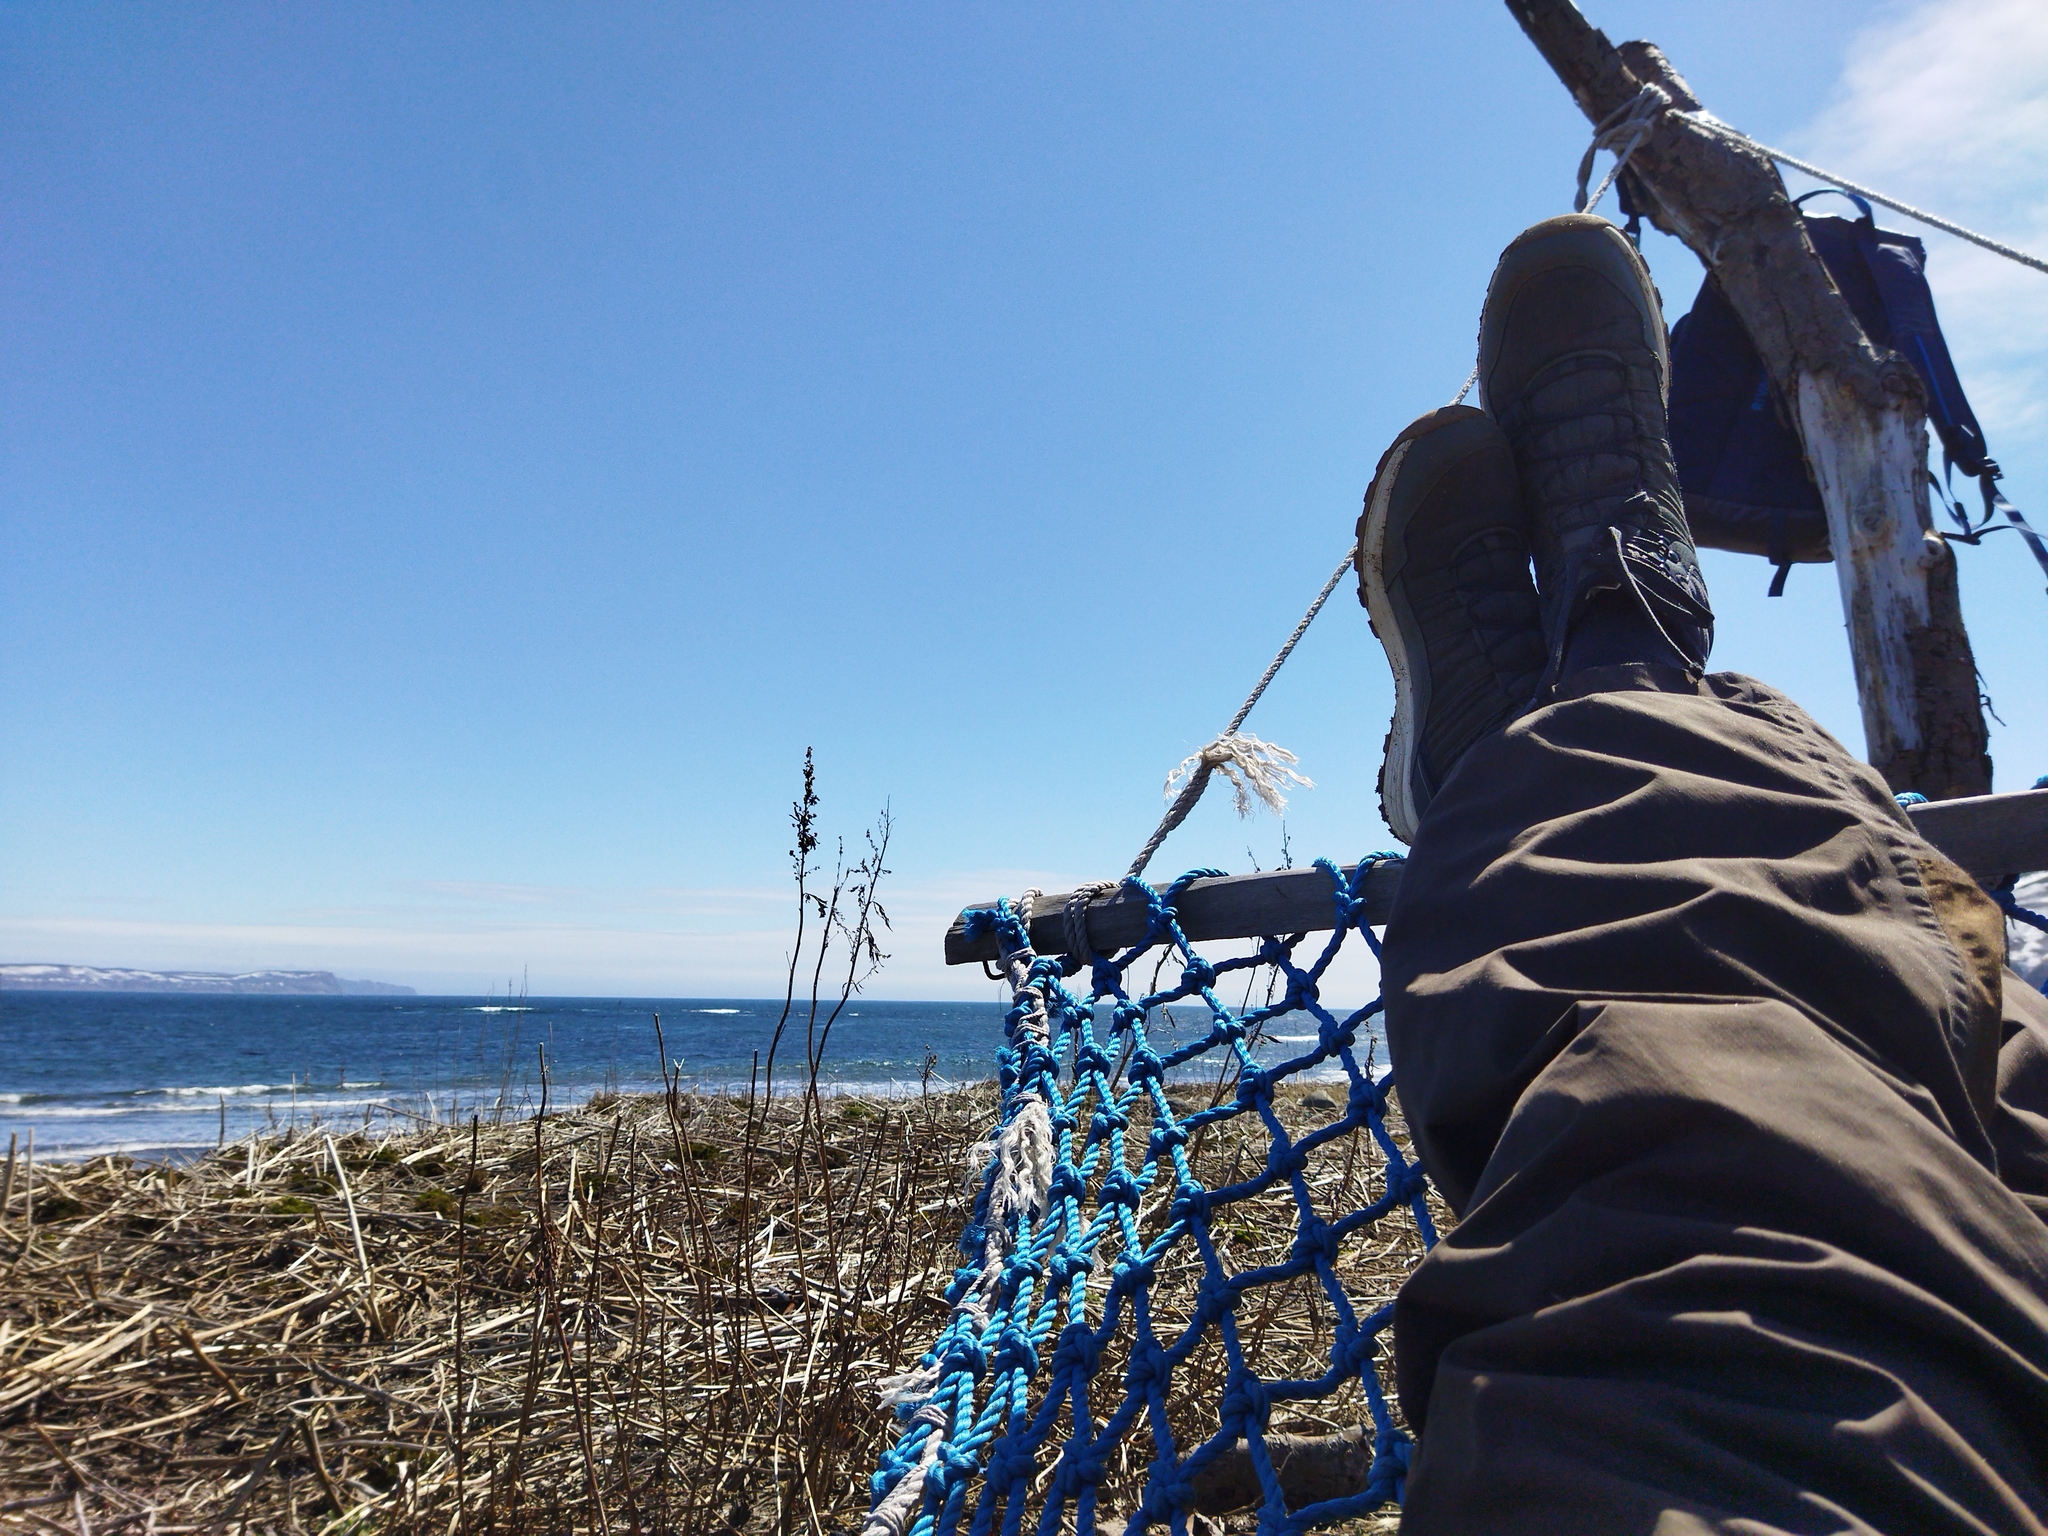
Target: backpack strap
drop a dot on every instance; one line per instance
(1631, 209)
(1995, 507)
(1776, 552)
(1995, 503)
(1869, 217)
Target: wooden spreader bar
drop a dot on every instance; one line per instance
(1992, 836)
(1229, 907)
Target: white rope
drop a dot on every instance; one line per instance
(909, 1389)
(1620, 132)
(1624, 129)
(1022, 1153)
(1257, 770)
(1714, 125)
(1245, 753)
(893, 1514)
(1074, 917)
(1287, 650)
(1258, 761)
(1023, 1157)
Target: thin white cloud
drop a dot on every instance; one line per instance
(734, 948)
(567, 942)
(1946, 107)
(491, 892)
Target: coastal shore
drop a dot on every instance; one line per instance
(664, 1312)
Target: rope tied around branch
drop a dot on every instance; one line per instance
(1621, 133)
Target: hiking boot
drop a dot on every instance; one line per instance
(1574, 366)
(1443, 570)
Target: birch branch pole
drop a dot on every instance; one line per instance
(1859, 411)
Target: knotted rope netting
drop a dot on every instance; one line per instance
(1108, 1341)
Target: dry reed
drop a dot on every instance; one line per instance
(647, 1314)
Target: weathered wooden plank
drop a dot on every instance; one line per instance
(1994, 837)
(1991, 836)
(1229, 907)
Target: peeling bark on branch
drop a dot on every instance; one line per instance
(1860, 412)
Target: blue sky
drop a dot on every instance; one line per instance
(456, 458)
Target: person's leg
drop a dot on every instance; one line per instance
(1701, 1040)
(1700, 1064)
(2019, 1127)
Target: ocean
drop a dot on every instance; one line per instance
(170, 1073)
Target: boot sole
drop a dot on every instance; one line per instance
(1570, 240)
(1406, 474)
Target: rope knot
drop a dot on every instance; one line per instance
(1390, 1457)
(963, 1353)
(1120, 1188)
(1189, 1201)
(1621, 132)
(1106, 1119)
(1015, 1351)
(1146, 1369)
(1080, 1467)
(1078, 1349)
(1001, 920)
(1258, 771)
(1288, 1161)
(1317, 1239)
(1074, 920)
(1038, 1059)
(1353, 1350)
(1066, 1262)
(1166, 1137)
(1010, 1463)
(954, 1464)
(1245, 1402)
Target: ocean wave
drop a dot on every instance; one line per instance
(12, 1098)
(50, 1109)
(1294, 1039)
(500, 1008)
(221, 1092)
(718, 1010)
(86, 1152)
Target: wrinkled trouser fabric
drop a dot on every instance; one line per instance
(1747, 1133)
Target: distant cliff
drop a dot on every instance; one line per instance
(93, 978)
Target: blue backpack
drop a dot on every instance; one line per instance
(1745, 480)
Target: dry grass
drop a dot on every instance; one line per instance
(643, 1315)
